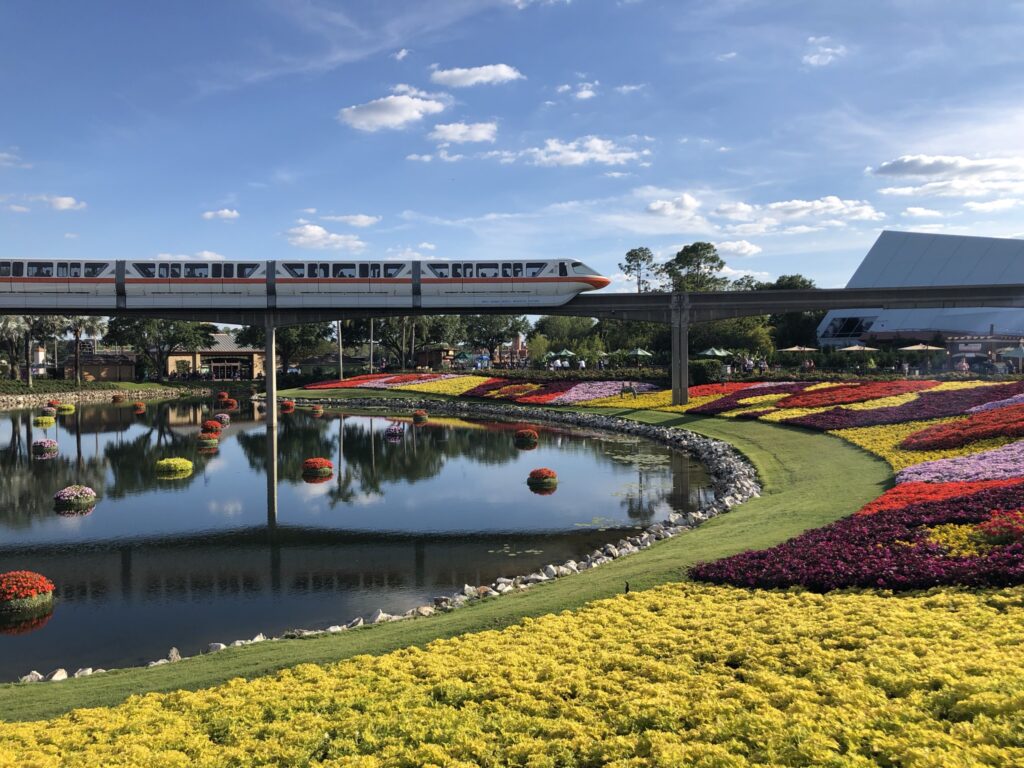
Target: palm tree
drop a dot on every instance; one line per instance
(39, 328)
(12, 331)
(79, 326)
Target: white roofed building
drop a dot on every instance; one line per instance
(902, 259)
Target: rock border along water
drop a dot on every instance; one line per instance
(733, 479)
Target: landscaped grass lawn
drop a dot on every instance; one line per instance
(809, 479)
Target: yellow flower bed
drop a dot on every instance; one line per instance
(884, 440)
(681, 675)
(959, 540)
(452, 387)
(658, 399)
(763, 399)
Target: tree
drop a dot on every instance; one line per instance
(40, 328)
(564, 331)
(794, 328)
(695, 267)
(156, 340)
(638, 261)
(292, 342)
(12, 333)
(79, 326)
(489, 331)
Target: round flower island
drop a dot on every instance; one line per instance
(542, 481)
(223, 419)
(75, 500)
(43, 422)
(173, 468)
(420, 417)
(65, 409)
(317, 470)
(526, 439)
(24, 595)
(47, 411)
(45, 449)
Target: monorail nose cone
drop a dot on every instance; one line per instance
(600, 282)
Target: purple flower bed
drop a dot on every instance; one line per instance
(930, 405)
(729, 402)
(591, 390)
(1015, 400)
(996, 464)
(886, 550)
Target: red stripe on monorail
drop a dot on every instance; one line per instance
(57, 279)
(195, 280)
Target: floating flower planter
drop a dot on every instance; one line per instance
(45, 449)
(75, 500)
(208, 450)
(117, 398)
(526, 439)
(43, 422)
(419, 417)
(317, 469)
(174, 468)
(212, 425)
(65, 409)
(543, 481)
(229, 405)
(47, 411)
(24, 594)
(208, 440)
(223, 419)
(223, 396)
(317, 411)
(286, 406)
(53, 403)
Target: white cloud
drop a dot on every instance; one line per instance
(587, 91)
(464, 77)
(70, 235)
(203, 255)
(726, 56)
(400, 54)
(406, 105)
(738, 211)
(683, 206)
(18, 208)
(62, 202)
(563, 88)
(12, 160)
(830, 205)
(316, 237)
(354, 219)
(954, 175)
(617, 174)
(738, 247)
(419, 158)
(427, 246)
(224, 213)
(916, 212)
(823, 51)
(310, 211)
(581, 151)
(443, 155)
(732, 274)
(459, 133)
(994, 206)
(630, 87)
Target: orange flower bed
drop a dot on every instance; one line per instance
(23, 585)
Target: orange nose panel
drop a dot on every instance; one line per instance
(598, 282)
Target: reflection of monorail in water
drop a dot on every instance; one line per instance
(292, 284)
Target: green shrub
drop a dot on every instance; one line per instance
(705, 372)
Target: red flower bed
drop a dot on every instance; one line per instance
(212, 425)
(732, 400)
(223, 395)
(53, 403)
(139, 404)
(998, 422)
(543, 474)
(853, 393)
(527, 435)
(914, 492)
(725, 388)
(22, 585)
(287, 406)
(1004, 526)
(317, 466)
(229, 405)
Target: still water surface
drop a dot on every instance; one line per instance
(216, 557)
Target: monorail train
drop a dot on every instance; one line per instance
(290, 284)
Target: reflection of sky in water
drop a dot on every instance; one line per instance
(188, 562)
(440, 479)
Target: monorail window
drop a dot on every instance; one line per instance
(392, 270)
(439, 270)
(39, 269)
(62, 269)
(579, 268)
(197, 271)
(457, 271)
(374, 271)
(17, 269)
(467, 270)
(517, 270)
(534, 268)
(563, 271)
(229, 270)
(96, 269)
(5, 269)
(75, 270)
(215, 271)
(295, 270)
(175, 271)
(344, 270)
(142, 270)
(364, 270)
(506, 270)
(163, 271)
(317, 270)
(247, 270)
(486, 270)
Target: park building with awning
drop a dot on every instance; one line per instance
(905, 259)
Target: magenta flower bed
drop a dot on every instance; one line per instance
(591, 390)
(886, 550)
(997, 464)
(930, 405)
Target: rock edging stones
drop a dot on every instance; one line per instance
(733, 479)
(8, 402)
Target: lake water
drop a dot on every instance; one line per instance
(225, 554)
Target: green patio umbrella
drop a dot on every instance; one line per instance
(566, 353)
(637, 352)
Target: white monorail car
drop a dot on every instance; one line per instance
(292, 284)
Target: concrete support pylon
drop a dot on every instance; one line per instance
(680, 349)
(270, 418)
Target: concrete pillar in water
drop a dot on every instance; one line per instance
(270, 374)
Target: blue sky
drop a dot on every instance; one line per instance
(789, 133)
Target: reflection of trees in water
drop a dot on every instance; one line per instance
(662, 479)
(27, 484)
